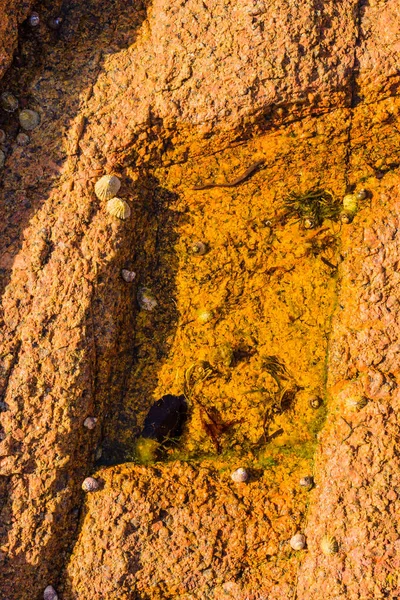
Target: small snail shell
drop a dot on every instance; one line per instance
(2, 159)
(198, 248)
(307, 482)
(308, 223)
(118, 208)
(90, 422)
(329, 545)
(55, 23)
(361, 194)
(298, 541)
(356, 402)
(22, 139)
(90, 484)
(204, 315)
(8, 102)
(346, 217)
(107, 187)
(50, 593)
(315, 401)
(29, 119)
(128, 276)
(350, 203)
(240, 475)
(34, 19)
(146, 299)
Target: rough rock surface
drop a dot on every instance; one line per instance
(148, 90)
(13, 12)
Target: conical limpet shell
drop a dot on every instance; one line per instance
(118, 208)
(22, 139)
(50, 593)
(90, 484)
(29, 119)
(356, 402)
(329, 545)
(240, 475)
(107, 187)
(298, 541)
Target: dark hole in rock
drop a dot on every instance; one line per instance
(166, 418)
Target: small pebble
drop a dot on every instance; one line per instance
(240, 475)
(307, 482)
(90, 422)
(128, 276)
(298, 541)
(34, 19)
(23, 139)
(90, 484)
(50, 593)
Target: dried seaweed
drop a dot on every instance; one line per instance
(315, 205)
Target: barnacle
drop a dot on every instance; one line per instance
(204, 315)
(198, 248)
(356, 402)
(8, 102)
(118, 208)
(222, 355)
(107, 187)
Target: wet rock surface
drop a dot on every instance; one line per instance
(169, 97)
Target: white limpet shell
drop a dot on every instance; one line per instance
(90, 484)
(298, 541)
(107, 187)
(128, 276)
(118, 208)
(356, 402)
(50, 593)
(240, 475)
(90, 422)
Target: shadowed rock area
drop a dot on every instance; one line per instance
(172, 96)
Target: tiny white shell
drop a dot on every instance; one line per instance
(50, 593)
(298, 541)
(29, 119)
(128, 276)
(329, 545)
(107, 187)
(90, 422)
(118, 208)
(204, 315)
(240, 475)
(350, 203)
(90, 484)
(146, 299)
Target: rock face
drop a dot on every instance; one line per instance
(13, 12)
(169, 96)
